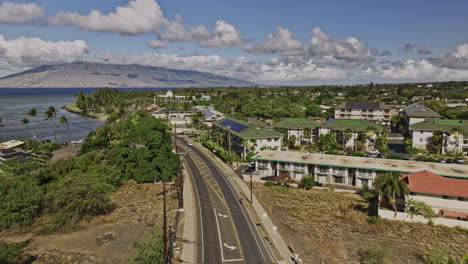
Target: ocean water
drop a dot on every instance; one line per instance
(16, 102)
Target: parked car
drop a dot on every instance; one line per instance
(373, 154)
(190, 143)
(79, 141)
(450, 161)
(460, 160)
(442, 161)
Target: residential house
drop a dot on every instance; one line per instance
(447, 196)
(372, 111)
(210, 115)
(417, 112)
(244, 137)
(169, 98)
(11, 144)
(174, 116)
(454, 134)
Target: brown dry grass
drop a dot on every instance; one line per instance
(329, 227)
(106, 238)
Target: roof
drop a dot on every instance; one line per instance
(405, 166)
(6, 151)
(442, 125)
(168, 111)
(419, 110)
(363, 105)
(296, 123)
(247, 130)
(428, 182)
(15, 155)
(11, 144)
(452, 214)
(351, 124)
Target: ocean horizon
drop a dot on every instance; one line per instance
(16, 102)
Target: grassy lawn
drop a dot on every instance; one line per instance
(329, 227)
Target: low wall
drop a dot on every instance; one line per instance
(437, 220)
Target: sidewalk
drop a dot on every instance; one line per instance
(189, 234)
(272, 237)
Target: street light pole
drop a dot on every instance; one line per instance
(251, 187)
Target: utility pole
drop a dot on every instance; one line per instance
(164, 220)
(175, 136)
(251, 187)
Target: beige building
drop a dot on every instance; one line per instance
(372, 111)
(169, 97)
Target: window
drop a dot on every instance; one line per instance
(276, 139)
(339, 180)
(420, 140)
(462, 199)
(269, 140)
(447, 197)
(364, 182)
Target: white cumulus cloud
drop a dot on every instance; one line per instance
(156, 44)
(283, 43)
(31, 52)
(224, 35)
(348, 50)
(12, 13)
(137, 17)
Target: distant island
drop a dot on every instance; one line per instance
(95, 75)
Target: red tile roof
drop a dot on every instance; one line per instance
(428, 182)
(452, 214)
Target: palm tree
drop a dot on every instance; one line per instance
(389, 187)
(25, 122)
(308, 134)
(63, 121)
(49, 115)
(32, 112)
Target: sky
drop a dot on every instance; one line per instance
(265, 41)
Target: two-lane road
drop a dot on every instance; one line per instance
(225, 231)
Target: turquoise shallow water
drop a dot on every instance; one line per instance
(15, 103)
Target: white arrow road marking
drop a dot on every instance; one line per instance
(225, 216)
(230, 247)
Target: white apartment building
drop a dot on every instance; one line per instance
(343, 170)
(372, 111)
(454, 134)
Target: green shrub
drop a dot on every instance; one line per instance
(435, 256)
(150, 250)
(375, 219)
(307, 183)
(395, 157)
(10, 253)
(77, 196)
(359, 154)
(376, 255)
(269, 183)
(366, 193)
(20, 199)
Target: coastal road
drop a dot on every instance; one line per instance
(225, 233)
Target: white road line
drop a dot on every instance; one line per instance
(219, 234)
(242, 209)
(199, 211)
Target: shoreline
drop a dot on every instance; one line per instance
(78, 112)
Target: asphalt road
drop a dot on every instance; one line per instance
(225, 232)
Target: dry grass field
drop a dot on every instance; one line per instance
(103, 239)
(330, 227)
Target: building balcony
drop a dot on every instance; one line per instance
(262, 168)
(299, 170)
(322, 174)
(283, 169)
(339, 174)
(368, 176)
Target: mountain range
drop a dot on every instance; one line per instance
(95, 75)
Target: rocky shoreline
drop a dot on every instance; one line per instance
(78, 112)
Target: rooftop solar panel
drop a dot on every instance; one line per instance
(233, 125)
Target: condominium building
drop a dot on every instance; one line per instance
(344, 170)
(417, 112)
(169, 98)
(454, 134)
(249, 136)
(372, 111)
